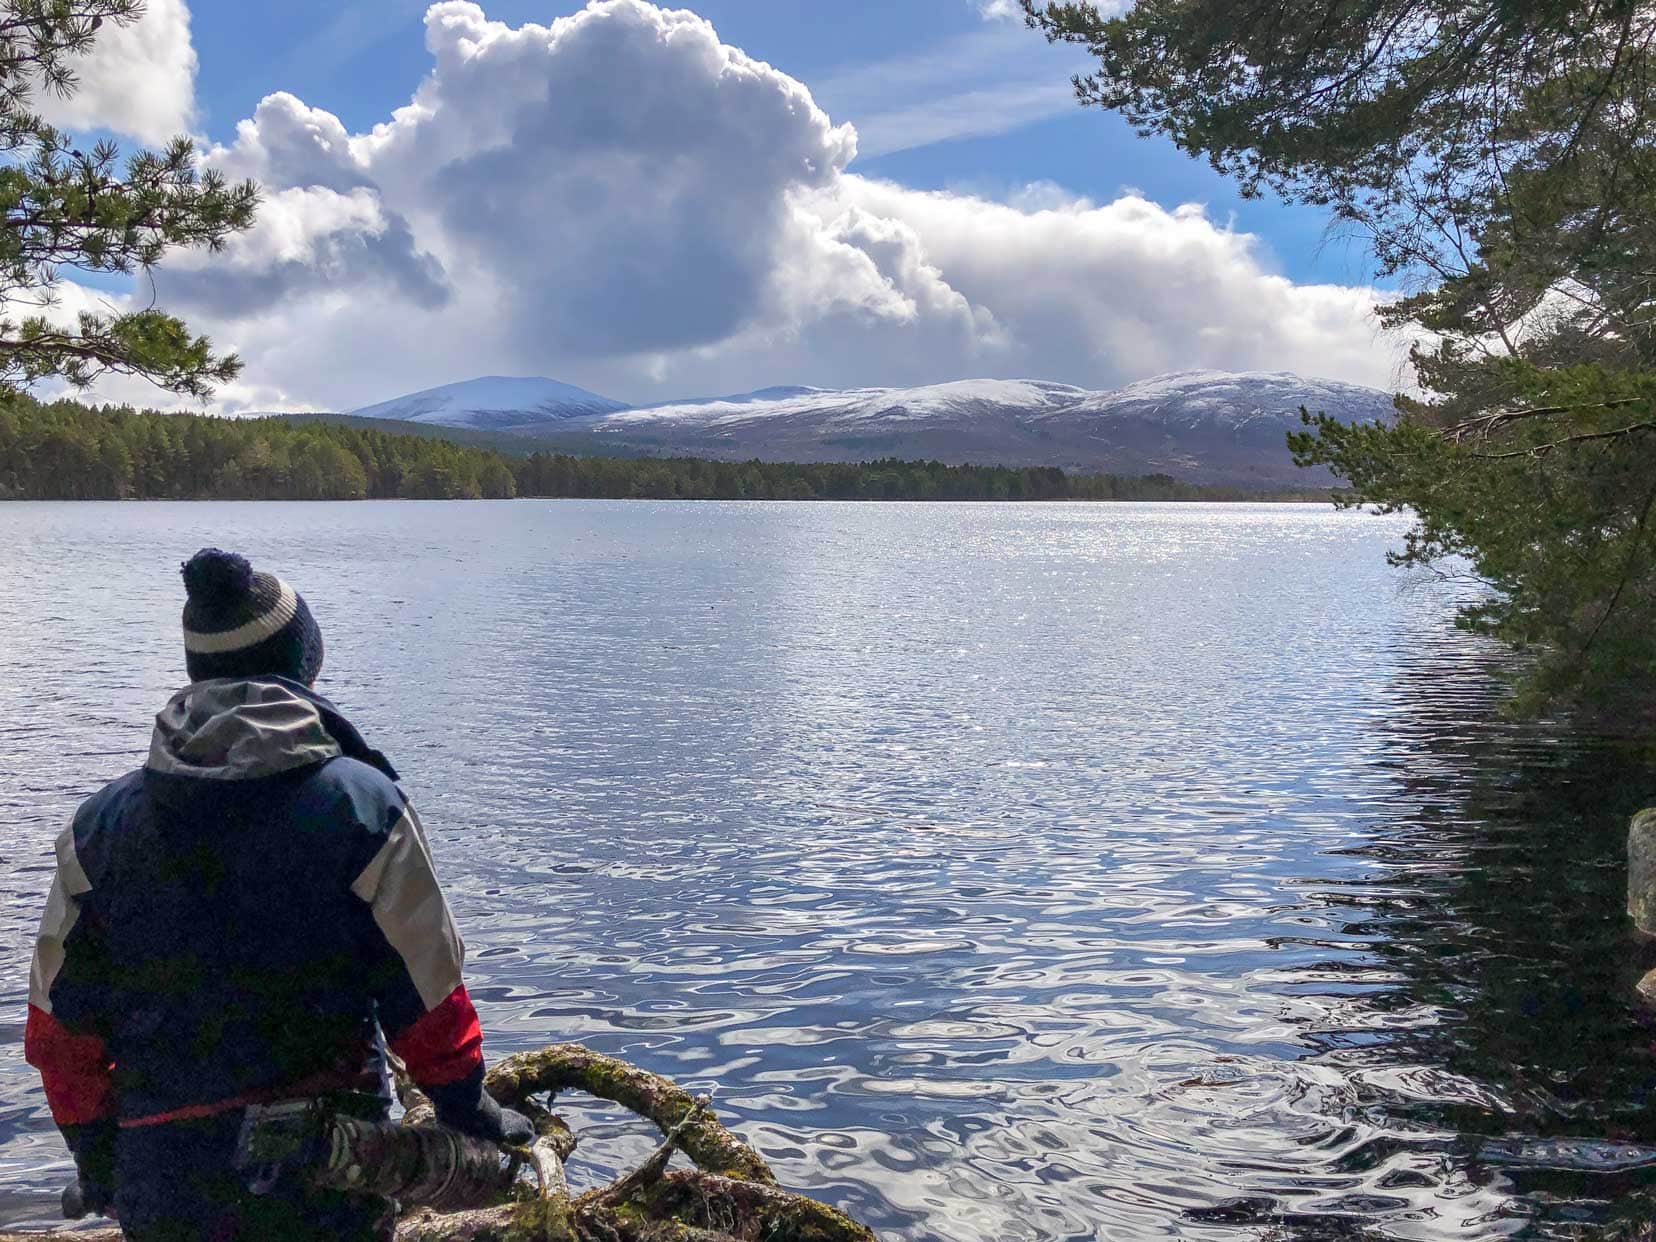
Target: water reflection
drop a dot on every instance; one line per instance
(1487, 1037)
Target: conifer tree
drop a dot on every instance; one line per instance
(62, 207)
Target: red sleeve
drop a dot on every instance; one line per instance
(444, 1045)
(75, 1069)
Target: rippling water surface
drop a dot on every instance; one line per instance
(1008, 872)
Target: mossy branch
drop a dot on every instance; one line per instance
(731, 1196)
(564, 1067)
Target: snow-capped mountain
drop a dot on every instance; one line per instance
(1205, 426)
(1236, 400)
(859, 406)
(1209, 426)
(494, 403)
(971, 420)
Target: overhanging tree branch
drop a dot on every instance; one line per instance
(1564, 441)
(65, 207)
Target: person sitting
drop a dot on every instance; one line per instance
(248, 918)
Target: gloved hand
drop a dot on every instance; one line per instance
(465, 1106)
(93, 1145)
(500, 1124)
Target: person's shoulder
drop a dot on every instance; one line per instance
(356, 776)
(111, 799)
(95, 819)
(369, 795)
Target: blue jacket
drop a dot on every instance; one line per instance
(227, 922)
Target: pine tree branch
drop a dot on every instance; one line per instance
(1584, 438)
(1485, 423)
(1626, 574)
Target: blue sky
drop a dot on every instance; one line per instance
(658, 203)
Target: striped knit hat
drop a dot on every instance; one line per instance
(241, 624)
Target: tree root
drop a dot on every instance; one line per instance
(731, 1196)
(563, 1067)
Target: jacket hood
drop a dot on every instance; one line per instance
(232, 729)
(239, 729)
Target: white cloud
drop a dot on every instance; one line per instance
(311, 239)
(286, 142)
(62, 305)
(1116, 292)
(697, 232)
(137, 79)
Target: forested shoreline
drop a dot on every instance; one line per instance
(66, 450)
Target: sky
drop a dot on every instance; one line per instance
(656, 203)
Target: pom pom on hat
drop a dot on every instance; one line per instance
(217, 579)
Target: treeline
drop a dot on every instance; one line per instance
(689, 478)
(68, 451)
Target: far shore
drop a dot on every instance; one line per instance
(1265, 499)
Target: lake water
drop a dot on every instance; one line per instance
(1008, 872)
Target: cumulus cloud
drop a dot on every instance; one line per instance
(684, 175)
(137, 79)
(620, 200)
(286, 143)
(1131, 288)
(312, 239)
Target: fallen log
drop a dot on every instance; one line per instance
(730, 1196)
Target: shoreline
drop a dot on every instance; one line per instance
(1266, 499)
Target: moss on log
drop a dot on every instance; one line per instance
(708, 1201)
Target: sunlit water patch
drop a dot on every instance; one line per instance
(1008, 872)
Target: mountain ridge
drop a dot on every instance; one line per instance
(1200, 426)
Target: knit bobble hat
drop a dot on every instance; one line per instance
(238, 623)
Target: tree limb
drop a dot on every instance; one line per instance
(1584, 438)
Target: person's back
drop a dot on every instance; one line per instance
(225, 927)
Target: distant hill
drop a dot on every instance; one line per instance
(1200, 426)
(493, 403)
